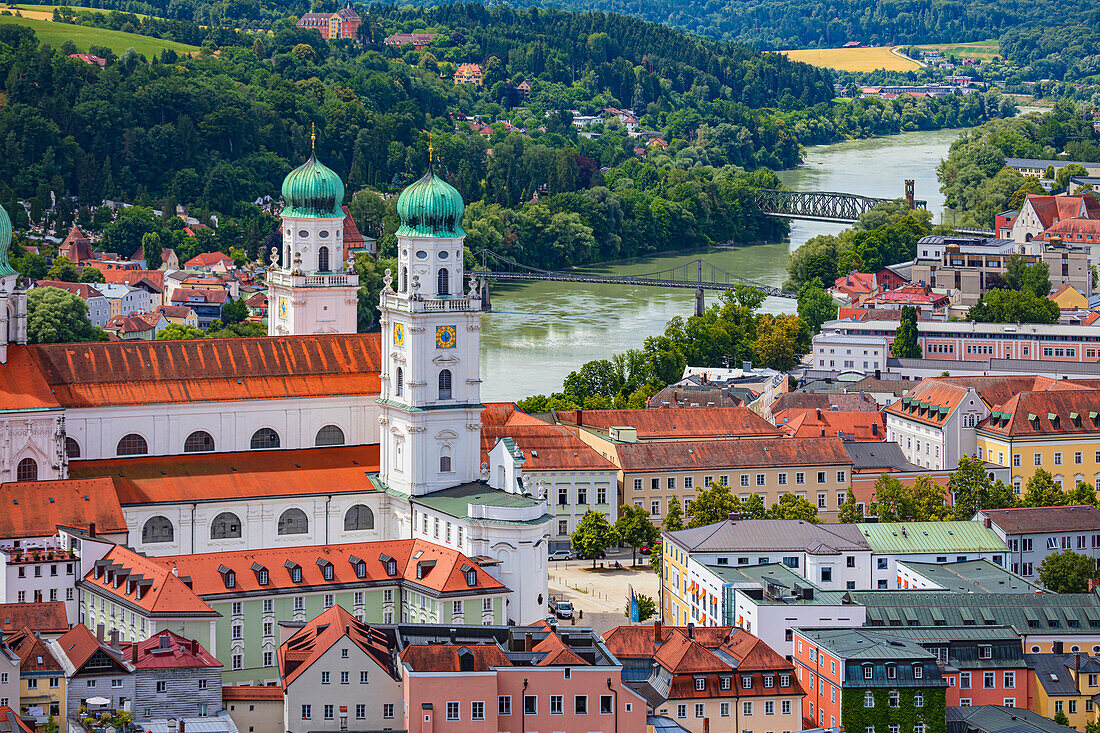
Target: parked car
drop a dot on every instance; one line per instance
(598, 556)
(563, 609)
(644, 549)
(561, 555)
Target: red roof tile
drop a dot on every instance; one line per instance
(168, 650)
(164, 592)
(859, 425)
(133, 323)
(79, 644)
(33, 652)
(672, 423)
(133, 277)
(557, 653)
(545, 447)
(173, 311)
(208, 259)
(46, 617)
(446, 657)
(1033, 414)
(14, 723)
(240, 475)
(948, 392)
(22, 385)
(84, 290)
(309, 643)
(750, 453)
(199, 295)
(1053, 209)
(196, 370)
(36, 508)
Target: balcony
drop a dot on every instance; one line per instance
(321, 280)
(446, 304)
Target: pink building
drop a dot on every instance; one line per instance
(530, 679)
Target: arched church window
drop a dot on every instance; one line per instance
(322, 259)
(132, 445)
(158, 529)
(27, 470)
(445, 384)
(225, 526)
(286, 255)
(399, 382)
(443, 282)
(293, 521)
(404, 285)
(199, 441)
(72, 448)
(264, 438)
(357, 518)
(329, 435)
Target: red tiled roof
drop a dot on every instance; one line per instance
(948, 392)
(441, 568)
(199, 295)
(79, 644)
(856, 283)
(178, 652)
(557, 653)
(33, 652)
(77, 247)
(133, 277)
(545, 447)
(208, 259)
(714, 454)
(14, 723)
(84, 290)
(47, 617)
(164, 594)
(445, 657)
(1053, 412)
(173, 311)
(1053, 209)
(196, 370)
(309, 643)
(22, 386)
(681, 655)
(36, 508)
(257, 300)
(239, 475)
(857, 425)
(253, 693)
(134, 323)
(352, 236)
(672, 423)
(875, 314)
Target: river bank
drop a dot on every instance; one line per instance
(539, 332)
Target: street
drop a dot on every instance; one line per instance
(599, 596)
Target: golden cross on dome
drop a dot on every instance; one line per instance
(313, 136)
(431, 150)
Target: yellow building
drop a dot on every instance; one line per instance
(1057, 430)
(41, 677)
(1065, 683)
(1070, 298)
(468, 74)
(674, 583)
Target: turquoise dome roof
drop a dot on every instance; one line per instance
(313, 190)
(431, 207)
(5, 243)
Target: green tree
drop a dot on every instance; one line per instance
(1061, 718)
(92, 275)
(64, 270)
(712, 504)
(850, 511)
(180, 331)
(815, 306)
(593, 535)
(125, 235)
(1081, 494)
(1042, 491)
(674, 518)
(1032, 277)
(234, 311)
(924, 501)
(791, 506)
(635, 529)
(56, 316)
(151, 248)
(1066, 572)
(1014, 306)
(906, 339)
(973, 489)
(1065, 172)
(647, 608)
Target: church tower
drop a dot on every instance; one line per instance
(13, 299)
(310, 291)
(431, 389)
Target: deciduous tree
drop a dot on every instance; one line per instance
(635, 528)
(56, 316)
(1066, 572)
(593, 535)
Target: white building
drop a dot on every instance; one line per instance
(124, 299)
(930, 543)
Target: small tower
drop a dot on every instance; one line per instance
(309, 290)
(431, 398)
(13, 299)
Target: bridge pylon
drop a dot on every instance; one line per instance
(700, 305)
(486, 303)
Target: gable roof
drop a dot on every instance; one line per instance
(1052, 209)
(935, 399)
(168, 650)
(441, 569)
(154, 278)
(557, 653)
(1064, 412)
(35, 655)
(83, 290)
(310, 643)
(78, 645)
(134, 323)
(701, 455)
(859, 425)
(448, 657)
(36, 508)
(199, 295)
(145, 583)
(10, 722)
(899, 538)
(673, 423)
(770, 535)
(237, 475)
(208, 259)
(196, 370)
(545, 447)
(1040, 519)
(47, 617)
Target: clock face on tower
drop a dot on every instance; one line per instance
(398, 334)
(445, 337)
(282, 308)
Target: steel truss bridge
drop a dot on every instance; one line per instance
(698, 275)
(819, 205)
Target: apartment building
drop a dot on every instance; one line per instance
(709, 680)
(1067, 684)
(1055, 430)
(831, 556)
(42, 685)
(656, 474)
(1034, 533)
(927, 542)
(964, 576)
(864, 680)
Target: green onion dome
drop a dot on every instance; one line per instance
(431, 207)
(5, 242)
(313, 190)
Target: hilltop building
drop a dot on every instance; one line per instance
(344, 23)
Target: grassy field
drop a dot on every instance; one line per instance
(55, 34)
(853, 59)
(984, 50)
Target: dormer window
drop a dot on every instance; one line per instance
(327, 571)
(229, 578)
(891, 672)
(424, 567)
(725, 682)
(359, 565)
(261, 573)
(295, 571)
(471, 575)
(389, 563)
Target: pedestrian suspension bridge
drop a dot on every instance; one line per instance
(698, 275)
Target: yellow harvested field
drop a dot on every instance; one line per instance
(853, 59)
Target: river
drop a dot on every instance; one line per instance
(539, 332)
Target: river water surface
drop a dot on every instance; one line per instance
(539, 332)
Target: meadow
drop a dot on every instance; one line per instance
(853, 59)
(55, 34)
(983, 50)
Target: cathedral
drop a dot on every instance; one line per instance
(367, 436)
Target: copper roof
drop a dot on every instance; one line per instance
(670, 423)
(748, 453)
(196, 370)
(36, 508)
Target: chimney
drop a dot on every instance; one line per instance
(691, 630)
(657, 632)
(194, 647)
(1076, 663)
(99, 633)
(133, 652)
(818, 413)
(528, 643)
(734, 516)
(91, 529)
(114, 639)
(989, 523)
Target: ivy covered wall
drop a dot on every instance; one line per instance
(856, 717)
